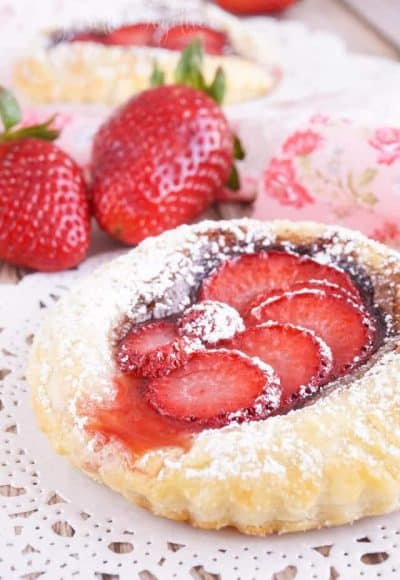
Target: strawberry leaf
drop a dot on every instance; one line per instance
(217, 89)
(10, 115)
(43, 131)
(157, 78)
(10, 112)
(233, 182)
(239, 153)
(238, 149)
(190, 60)
(188, 71)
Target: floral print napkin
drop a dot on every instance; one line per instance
(336, 172)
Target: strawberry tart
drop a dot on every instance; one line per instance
(109, 63)
(234, 373)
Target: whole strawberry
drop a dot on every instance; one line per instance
(44, 210)
(255, 6)
(164, 156)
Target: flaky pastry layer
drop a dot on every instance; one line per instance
(328, 463)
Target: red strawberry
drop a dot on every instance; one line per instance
(345, 326)
(152, 349)
(85, 36)
(210, 322)
(159, 161)
(44, 211)
(60, 36)
(255, 6)
(139, 34)
(180, 36)
(163, 157)
(327, 287)
(300, 359)
(215, 388)
(240, 280)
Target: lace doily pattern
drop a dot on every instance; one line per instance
(59, 524)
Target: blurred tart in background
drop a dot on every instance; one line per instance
(103, 64)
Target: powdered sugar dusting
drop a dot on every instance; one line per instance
(211, 321)
(274, 457)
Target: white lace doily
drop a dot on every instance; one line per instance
(61, 524)
(58, 524)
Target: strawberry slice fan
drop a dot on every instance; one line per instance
(278, 295)
(241, 373)
(151, 34)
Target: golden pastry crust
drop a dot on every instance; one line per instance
(93, 73)
(332, 462)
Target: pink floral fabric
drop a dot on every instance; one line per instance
(280, 182)
(387, 142)
(388, 232)
(336, 172)
(302, 143)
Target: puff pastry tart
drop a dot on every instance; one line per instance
(109, 65)
(233, 373)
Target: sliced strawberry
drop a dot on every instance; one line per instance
(88, 36)
(301, 360)
(140, 34)
(180, 36)
(327, 287)
(238, 281)
(216, 387)
(343, 324)
(152, 349)
(210, 322)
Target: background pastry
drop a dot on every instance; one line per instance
(108, 64)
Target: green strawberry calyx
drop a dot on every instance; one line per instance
(11, 117)
(189, 72)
